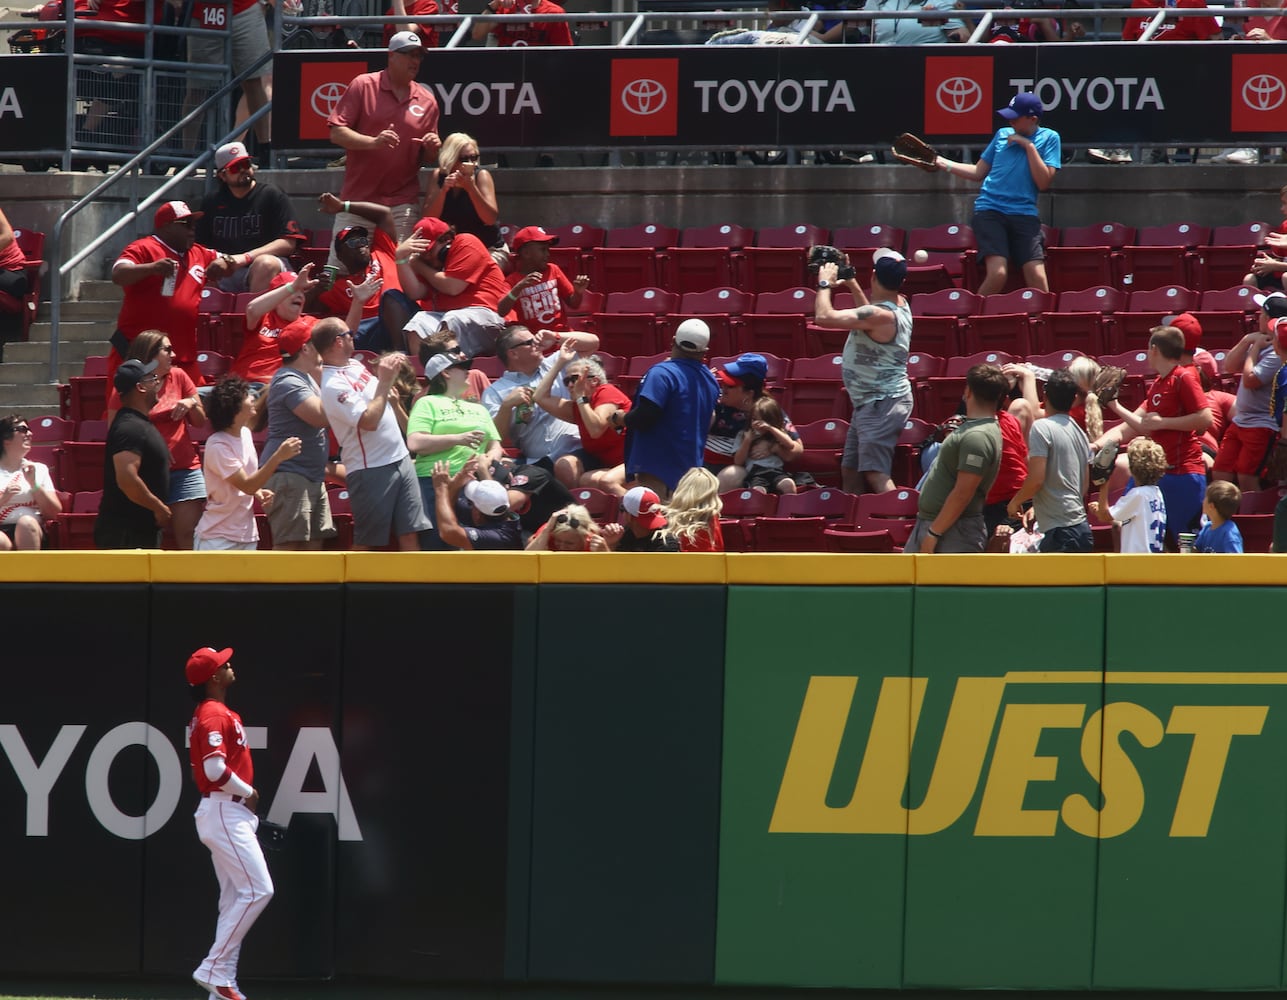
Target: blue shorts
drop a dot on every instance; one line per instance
(186, 484)
(1183, 494)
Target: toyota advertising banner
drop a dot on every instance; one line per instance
(30, 86)
(739, 96)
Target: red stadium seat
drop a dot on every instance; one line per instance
(1227, 314)
(943, 395)
(631, 322)
(859, 242)
(213, 364)
(628, 258)
(839, 540)
(823, 441)
(82, 465)
(614, 365)
(737, 520)
(830, 503)
(1162, 255)
(815, 388)
(1082, 321)
(51, 430)
(1228, 256)
(907, 452)
(582, 316)
(1257, 531)
(573, 252)
(637, 369)
(778, 322)
(721, 309)
(893, 511)
(789, 534)
(1087, 256)
(1138, 375)
(1006, 322)
(946, 244)
(938, 319)
(1145, 310)
(76, 522)
(603, 506)
(707, 257)
(1053, 360)
(1259, 501)
(777, 260)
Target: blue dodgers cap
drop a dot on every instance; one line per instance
(749, 369)
(1020, 106)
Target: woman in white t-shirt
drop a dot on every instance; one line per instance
(27, 494)
(234, 478)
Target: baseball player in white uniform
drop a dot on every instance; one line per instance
(226, 820)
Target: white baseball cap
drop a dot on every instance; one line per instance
(693, 335)
(489, 497)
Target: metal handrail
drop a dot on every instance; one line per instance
(58, 271)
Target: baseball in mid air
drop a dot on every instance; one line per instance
(920, 256)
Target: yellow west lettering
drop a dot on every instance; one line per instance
(1213, 728)
(1118, 779)
(1015, 765)
(877, 802)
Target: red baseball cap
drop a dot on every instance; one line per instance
(1279, 328)
(532, 234)
(1188, 325)
(281, 278)
(173, 211)
(644, 506)
(292, 339)
(431, 228)
(205, 663)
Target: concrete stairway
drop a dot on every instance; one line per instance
(84, 328)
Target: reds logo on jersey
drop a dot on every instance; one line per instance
(197, 272)
(215, 739)
(540, 303)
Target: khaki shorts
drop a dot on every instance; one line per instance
(300, 511)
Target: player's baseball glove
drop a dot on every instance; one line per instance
(1108, 383)
(916, 151)
(271, 835)
(1102, 466)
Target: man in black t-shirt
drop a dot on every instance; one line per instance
(250, 223)
(136, 469)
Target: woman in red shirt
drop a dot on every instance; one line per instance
(600, 461)
(692, 515)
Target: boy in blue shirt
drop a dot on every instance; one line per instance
(1017, 164)
(1219, 533)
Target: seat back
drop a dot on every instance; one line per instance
(869, 237)
(732, 301)
(603, 506)
(1100, 299)
(802, 234)
(833, 504)
(655, 301)
(1175, 234)
(950, 236)
(578, 234)
(790, 301)
(789, 534)
(1239, 298)
(1022, 300)
(748, 503)
(728, 235)
(959, 367)
(1113, 235)
(647, 234)
(1245, 234)
(827, 367)
(1054, 359)
(51, 430)
(947, 302)
(1166, 300)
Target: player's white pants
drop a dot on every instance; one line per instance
(245, 887)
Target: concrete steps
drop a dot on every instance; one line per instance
(85, 324)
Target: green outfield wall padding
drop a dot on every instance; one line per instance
(799, 905)
(1000, 891)
(629, 695)
(1191, 897)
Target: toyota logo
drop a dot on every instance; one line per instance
(1263, 92)
(643, 97)
(958, 95)
(326, 97)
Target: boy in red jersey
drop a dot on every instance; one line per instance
(225, 819)
(538, 289)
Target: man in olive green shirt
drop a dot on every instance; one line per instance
(949, 517)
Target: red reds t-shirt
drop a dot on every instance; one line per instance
(337, 299)
(1014, 460)
(1177, 394)
(470, 261)
(145, 308)
(418, 8)
(176, 384)
(610, 446)
(533, 32)
(215, 731)
(260, 355)
(540, 306)
(1180, 29)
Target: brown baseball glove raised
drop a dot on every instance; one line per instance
(1108, 383)
(916, 151)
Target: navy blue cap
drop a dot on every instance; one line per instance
(1020, 106)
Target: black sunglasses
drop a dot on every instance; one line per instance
(22, 429)
(356, 242)
(571, 380)
(569, 520)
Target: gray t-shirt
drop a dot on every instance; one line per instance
(1060, 503)
(1255, 408)
(288, 389)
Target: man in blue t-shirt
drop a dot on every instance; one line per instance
(1019, 162)
(667, 426)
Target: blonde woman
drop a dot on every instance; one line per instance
(692, 513)
(462, 194)
(571, 529)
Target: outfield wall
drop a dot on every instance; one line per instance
(866, 771)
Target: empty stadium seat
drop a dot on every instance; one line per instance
(938, 319)
(777, 260)
(841, 540)
(1087, 256)
(603, 506)
(828, 502)
(628, 258)
(946, 245)
(741, 508)
(1145, 310)
(1227, 314)
(1007, 322)
(893, 511)
(1228, 255)
(631, 321)
(789, 534)
(823, 441)
(51, 430)
(859, 242)
(1162, 256)
(778, 322)
(707, 257)
(1082, 321)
